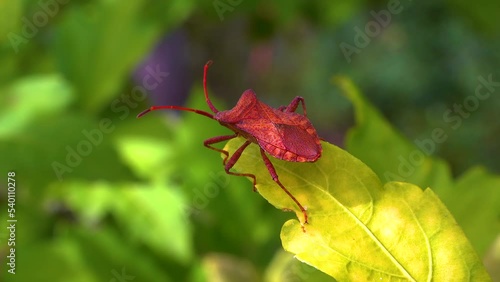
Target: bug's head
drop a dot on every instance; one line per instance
(200, 112)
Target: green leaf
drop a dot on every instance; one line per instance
(393, 157)
(98, 44)
(475, 203)
(359, 229)
(147, 213)
(29, 99)
(376, 141)
(159, 212)
(148, 157)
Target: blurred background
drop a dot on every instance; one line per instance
(103, 196)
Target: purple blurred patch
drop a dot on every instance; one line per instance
(171, 54)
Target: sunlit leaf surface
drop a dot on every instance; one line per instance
(360, 230)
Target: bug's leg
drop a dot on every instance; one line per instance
(274, 175)
(234, 158)
(207, 143)
(294, 104)
(228, 164)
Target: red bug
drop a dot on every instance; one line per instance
(280, 132)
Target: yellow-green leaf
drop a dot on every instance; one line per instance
(360, 230)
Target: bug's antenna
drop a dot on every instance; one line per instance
(200, 112)
(154, 108)
(209, 103)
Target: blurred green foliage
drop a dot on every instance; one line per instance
(102, 196)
